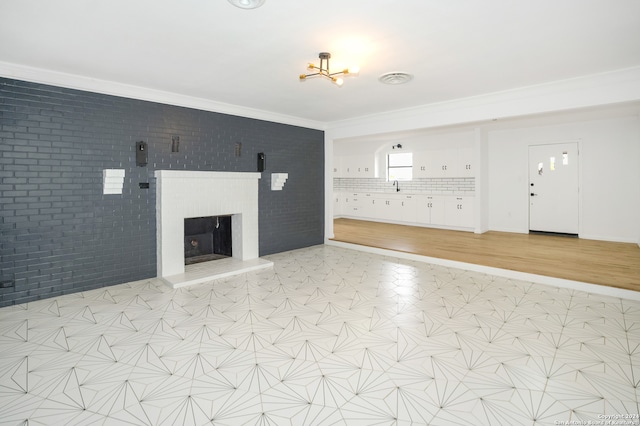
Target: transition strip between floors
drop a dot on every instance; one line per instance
(590, 261)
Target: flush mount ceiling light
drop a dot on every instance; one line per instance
(247, 4)
(396, 77)
(323, 70)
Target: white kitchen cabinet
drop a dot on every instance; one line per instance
(443, 163)
(366, 170)
(337, 167)
(357, 166)
(408, 209)
(347, 164)
(350, 204)
(367, 206)
(360, 205)
(430, 209)
(430, 164)
(346, 167)
(436, 210)
(387, 209)
(420, 160)
(353, 205)
(337, 204)
(459, 212)
(395, 208)
(466, 164)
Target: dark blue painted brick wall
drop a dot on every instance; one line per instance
(60, 234)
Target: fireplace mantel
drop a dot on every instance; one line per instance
(184, 194)
(190, 174)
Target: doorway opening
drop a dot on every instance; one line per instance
(554, 189)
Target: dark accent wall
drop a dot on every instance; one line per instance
(60, 234)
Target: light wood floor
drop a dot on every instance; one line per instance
(596, 262)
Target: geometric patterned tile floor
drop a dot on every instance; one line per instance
(329, 336)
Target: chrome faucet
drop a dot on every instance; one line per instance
(397, 185)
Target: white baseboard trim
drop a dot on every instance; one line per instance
(606, 238)
(510, 230)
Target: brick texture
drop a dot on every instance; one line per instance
(60, 234)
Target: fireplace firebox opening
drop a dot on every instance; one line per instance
(207, 238)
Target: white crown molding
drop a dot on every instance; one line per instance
(603, 89)
(72, 81)
(594, 90)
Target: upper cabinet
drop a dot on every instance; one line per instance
(443, 163)
(421, 164)
(467, 167)
(435, 163)
(355, 166)
(337, 167)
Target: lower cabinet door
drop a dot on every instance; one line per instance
(368, 208)
(436, 206)
(459, 212)
(337, 204)
(438, 210)
(408, 212)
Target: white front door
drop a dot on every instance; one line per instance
(553, 188)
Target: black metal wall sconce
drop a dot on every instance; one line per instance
(141, 154)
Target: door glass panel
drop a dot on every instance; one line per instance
(540, 168)
(565, 158)
(552, 163)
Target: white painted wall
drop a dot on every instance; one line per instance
(609, 140)
(481, 158)
(609, 171)
(507, 182)
(502, 199)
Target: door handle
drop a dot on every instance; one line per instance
(533, 195)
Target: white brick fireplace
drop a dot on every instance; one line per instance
(187, 194)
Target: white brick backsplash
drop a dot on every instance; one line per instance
(443, 186)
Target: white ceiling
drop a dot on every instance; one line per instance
(252, 58)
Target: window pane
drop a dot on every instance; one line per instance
(401, 160)
(400, 166)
